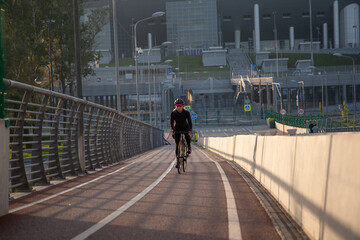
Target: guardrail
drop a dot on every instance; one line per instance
(324, 123)
(45, 141)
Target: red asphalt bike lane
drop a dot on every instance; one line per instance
(192, 205)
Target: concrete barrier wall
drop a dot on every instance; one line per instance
(4, 168)
(284, 128)
(314, 177)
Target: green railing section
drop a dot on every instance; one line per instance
(2, 67)
(295, 121)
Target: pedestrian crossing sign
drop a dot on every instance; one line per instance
(247, 107)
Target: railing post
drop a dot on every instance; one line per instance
(4, 168)
(19, 177)
(121, 123)
(70, 136)
(54, 145)
(80, 138)
(89, 137)
(96, 137)
(38, 146)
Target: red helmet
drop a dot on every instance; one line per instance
(179, 101)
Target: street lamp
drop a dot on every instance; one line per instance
(48, 22)
(164, 44)
(354, 86)
(322, 88)
(116, 47)
(136, 52)
(311, 34)
(276, 49)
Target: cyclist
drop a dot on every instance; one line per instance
(180, 120)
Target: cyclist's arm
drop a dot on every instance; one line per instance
(189, 121)
(172, 120)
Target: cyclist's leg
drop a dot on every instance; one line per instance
(177, 140)
(188, 141)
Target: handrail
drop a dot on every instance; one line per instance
(45, 141)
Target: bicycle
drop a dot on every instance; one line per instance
(182, 153)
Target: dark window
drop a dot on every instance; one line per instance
(305, 14)
(266, 16)
(227, 18)
(247, 17)
(320, 14)
(286, 15)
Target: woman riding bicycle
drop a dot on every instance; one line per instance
(180, 121)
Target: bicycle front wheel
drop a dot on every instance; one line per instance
(179, 165)
(184, 165)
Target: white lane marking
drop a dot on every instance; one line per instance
(233, 218)
(76, 187)
(124, 207)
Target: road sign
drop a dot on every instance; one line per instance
(193, 116)
(187, 108)
(301, 111)
(247, 107)
(283, 111)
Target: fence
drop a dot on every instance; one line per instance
(324, 123)
(46, 141)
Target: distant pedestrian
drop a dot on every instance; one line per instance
(315, 129)
(311, 127)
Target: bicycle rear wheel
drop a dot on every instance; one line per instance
(180, 165)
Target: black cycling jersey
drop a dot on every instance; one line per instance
(182, 121)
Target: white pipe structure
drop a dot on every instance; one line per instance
(257, 27)
(336, 24)
(237, 39)
(154, 15)
(292, 38)
(149, 41)
(325, 36)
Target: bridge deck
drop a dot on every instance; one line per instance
(145, 198)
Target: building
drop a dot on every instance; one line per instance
(249, 23)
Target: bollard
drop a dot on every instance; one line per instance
(4, 167)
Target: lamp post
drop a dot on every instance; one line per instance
(154, 79)
(276, 49)
(164, 44)
(322, 89)
(154, 15)
(311, 35)
(116, 47)
(354, 85)
(48, 22)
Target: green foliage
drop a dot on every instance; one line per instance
(27, 38)
(320, 60)
(295, 121)
(344, 111)
(186, 64)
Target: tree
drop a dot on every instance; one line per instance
(27, 38)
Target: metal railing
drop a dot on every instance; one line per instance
(45, 141)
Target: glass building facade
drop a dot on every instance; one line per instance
(192, 25)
